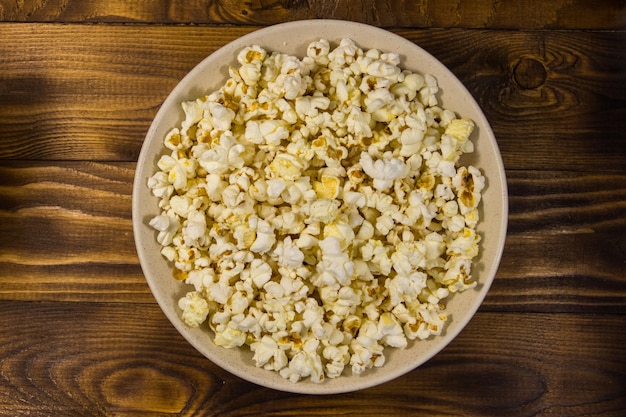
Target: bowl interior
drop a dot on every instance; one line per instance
(293, 38)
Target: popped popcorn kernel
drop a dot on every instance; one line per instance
(195, 308)
(317, 209)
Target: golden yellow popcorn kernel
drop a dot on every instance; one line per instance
(286, 166)
(253, 55)
(356, 176)
(328, 187)
(319, 142)
(352, 325)
(294, 340)
(460, 129)
(180, 275)
(426, 182)
(174, 139)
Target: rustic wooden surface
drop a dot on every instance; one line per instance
(81, 334)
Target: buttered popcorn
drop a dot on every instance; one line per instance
(317, 208)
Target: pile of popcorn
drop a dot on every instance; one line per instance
(318, 209)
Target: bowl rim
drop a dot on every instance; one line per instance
(140, 186)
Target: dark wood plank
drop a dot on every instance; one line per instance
(566, 202)
(555, 100)
(119, 359)
(66, 234)
(571, 272)
(515, 14)
(566, 243)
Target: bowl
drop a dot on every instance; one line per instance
(293, 38)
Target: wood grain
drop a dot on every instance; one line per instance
(515, 14)
(90, 92)
(82, 335)
(66, 234)
(566, 243)
(121, 359)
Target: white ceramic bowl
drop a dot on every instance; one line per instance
(292, 38)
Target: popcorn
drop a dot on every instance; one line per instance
(229, 338)
(391, 331)
(317, 209)
(323, 210)
(167, 226)
(260, 272)
(286, 166)
(219, 292)
(195, 309)
(310, 106)
(468, 184)
(335, 265)
(465, 245)
(268, 355)
(318, 51)
(305, 363)
(160, 185)
(427, 93)
(251, 54)
(275, 187)
(358, 123)
(337, 357)
(328, 187)
(214, 186)
(383, 171)
(179, 170)
(265, 237)
(341, 230)
(195, 230)
(288, 254)
(223, 158)
(221, 116)
(411, 141)
(201, 278)
(405, 288)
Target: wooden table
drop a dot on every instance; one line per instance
(81, 334)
